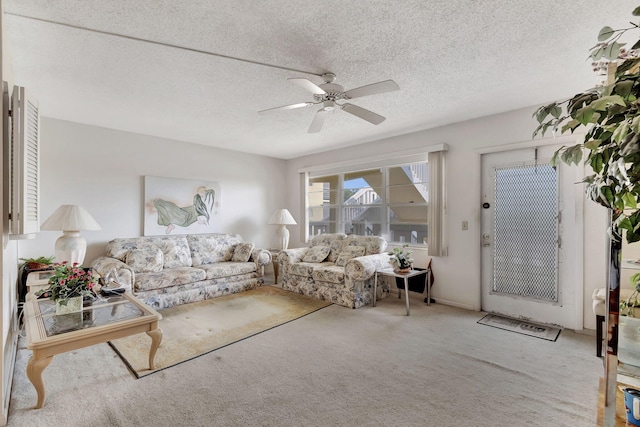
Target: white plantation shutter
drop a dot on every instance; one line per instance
(25, 163)
(437, 237)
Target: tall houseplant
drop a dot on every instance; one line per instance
(610, 117)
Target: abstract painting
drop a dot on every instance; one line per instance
(180, 206)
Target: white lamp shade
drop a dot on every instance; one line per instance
(282, 217)
(70, 218)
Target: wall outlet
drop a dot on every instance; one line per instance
(465, 225)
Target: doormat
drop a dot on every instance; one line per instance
(536, 330)
(191, 330)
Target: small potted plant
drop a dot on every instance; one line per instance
(69, 285)
(401, 259)
(40, 263)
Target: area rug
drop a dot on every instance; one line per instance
(536, 330)
(191, 330)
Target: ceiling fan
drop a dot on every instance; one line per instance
(329, 93)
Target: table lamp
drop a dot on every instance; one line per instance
(282, 217)
(70, 219)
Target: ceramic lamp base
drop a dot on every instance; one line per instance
(71, 247)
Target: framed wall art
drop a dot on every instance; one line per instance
(180, 206)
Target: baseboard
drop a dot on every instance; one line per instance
(9, 358)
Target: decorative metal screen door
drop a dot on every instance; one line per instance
(525, 269)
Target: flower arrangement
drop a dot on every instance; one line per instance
(68, 281)
(401, 258)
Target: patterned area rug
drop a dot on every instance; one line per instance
(536, 330)
(191, 330)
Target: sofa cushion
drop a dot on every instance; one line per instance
(210, 248)
(118, 248)
(227, 269)
(306, 268)
(372, 244)
(168, 277)
(145, 259)
(333, 240)
(329, 273)
(175, 250)
(349, 252)
(316, 254)
(242, 252)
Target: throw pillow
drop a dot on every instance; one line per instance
(316, 254)
(242, 252)
(146, 259)
(349, 252)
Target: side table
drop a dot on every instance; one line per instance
(405, 276)
(274, 262)
(37, 280)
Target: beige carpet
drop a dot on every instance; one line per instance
(191, 330)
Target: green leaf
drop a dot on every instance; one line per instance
(628, 64)
(597, 54)
(629, 201)
(593, 144)
(607, 194)
(584, 115)
(605, 33)
(554, 159)
(621, 132)
(624, 87)
(555, 111)
(572, 155)
(597, 162)
(636, 11)
(572, 124)
(612, 51)
(625, 224)
(635, 125)
(604, 102)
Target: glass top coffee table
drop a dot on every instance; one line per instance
(107, 319)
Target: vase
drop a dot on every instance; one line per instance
(68, 305)
(403, 270)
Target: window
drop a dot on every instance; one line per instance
(391, 202)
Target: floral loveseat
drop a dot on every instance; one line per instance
(336, 268)
(164, 271)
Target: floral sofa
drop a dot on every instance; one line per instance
(164, 271)
(336, 268)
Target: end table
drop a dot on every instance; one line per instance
(274, 261)
(405, 276)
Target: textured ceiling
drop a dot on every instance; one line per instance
(454, 60)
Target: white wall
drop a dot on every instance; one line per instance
(457, 276)
(103, 169)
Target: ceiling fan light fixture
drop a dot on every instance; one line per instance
(329, 105)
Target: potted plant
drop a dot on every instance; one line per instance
(69, 285)
(401, 259)
(610, 118)
(40, 263)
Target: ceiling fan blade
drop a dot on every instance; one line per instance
(287, 107)
(318, 121)
(372, 89)
(363, 113)
(308, 85)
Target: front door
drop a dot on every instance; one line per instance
(529, 237)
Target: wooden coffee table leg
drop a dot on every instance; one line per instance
(156, 338)
(34, 373)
